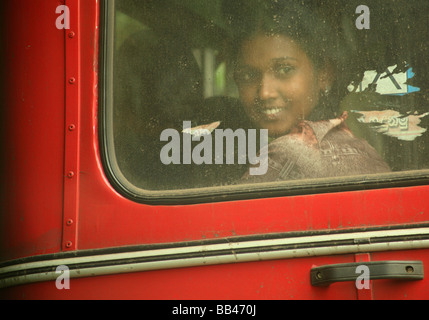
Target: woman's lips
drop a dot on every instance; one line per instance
(272, 113)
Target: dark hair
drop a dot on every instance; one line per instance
(297, 21)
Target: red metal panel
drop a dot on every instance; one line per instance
(43, 105)
(34, 147)
(133, 223)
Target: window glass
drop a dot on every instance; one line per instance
(237, 93)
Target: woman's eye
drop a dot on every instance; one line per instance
(284, 70)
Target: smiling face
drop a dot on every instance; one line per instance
(277, 82)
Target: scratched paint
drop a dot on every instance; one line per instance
(394, 124)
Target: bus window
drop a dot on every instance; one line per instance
(248, 93)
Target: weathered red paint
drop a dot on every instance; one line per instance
(52, 130)
(34, 130)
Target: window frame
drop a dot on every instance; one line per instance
(219, 193)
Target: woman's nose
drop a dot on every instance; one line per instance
(268, 88)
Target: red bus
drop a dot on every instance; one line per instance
(91, 210)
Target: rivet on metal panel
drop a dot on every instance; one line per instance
(72, 127)
(72, 80)
(69, 222)
(69, 244)
(72, 34)
(70, 174)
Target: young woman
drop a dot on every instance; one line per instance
(287, 76)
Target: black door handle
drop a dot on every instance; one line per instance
(402, 270)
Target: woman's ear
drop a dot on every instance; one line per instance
(326, 78)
